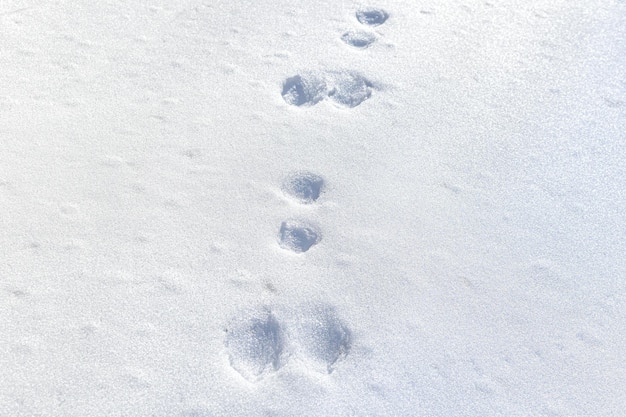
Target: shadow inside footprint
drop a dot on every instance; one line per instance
(304, 90)
(358, 39)
(256, 345)
(297, 236)
(303, 186)
(371, 16)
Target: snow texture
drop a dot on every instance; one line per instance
(314, 208)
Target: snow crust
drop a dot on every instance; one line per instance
(455, 169)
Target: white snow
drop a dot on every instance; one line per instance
(312, 208)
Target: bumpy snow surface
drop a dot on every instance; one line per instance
(312, 208)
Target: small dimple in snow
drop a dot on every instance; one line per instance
(196, 413)
(303, 186)
(371, 16)
(298, 236)
(256, 345)
(358, 39)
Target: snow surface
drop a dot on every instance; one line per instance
(293, 208)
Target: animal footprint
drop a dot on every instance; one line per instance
(256, 345)
(304, 90)
(345, 88)
(350, 89)
(298, 236)
(372, 17)
(358, 38)
(320, 337)
(303, 186)
(262, 344)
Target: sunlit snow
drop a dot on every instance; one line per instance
(312, 208)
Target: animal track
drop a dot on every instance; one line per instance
(303, 186)
(317, 334)
(262, 344)
(347, 89)
(298, 236)
(321, 337)
(350, 89)
(256, 345)
(371, 16)
(304, 90)
(358, 39)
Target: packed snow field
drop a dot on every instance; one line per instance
(313, 208)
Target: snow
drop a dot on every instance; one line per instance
(323, 208)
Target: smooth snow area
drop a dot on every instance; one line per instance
(312, 208)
